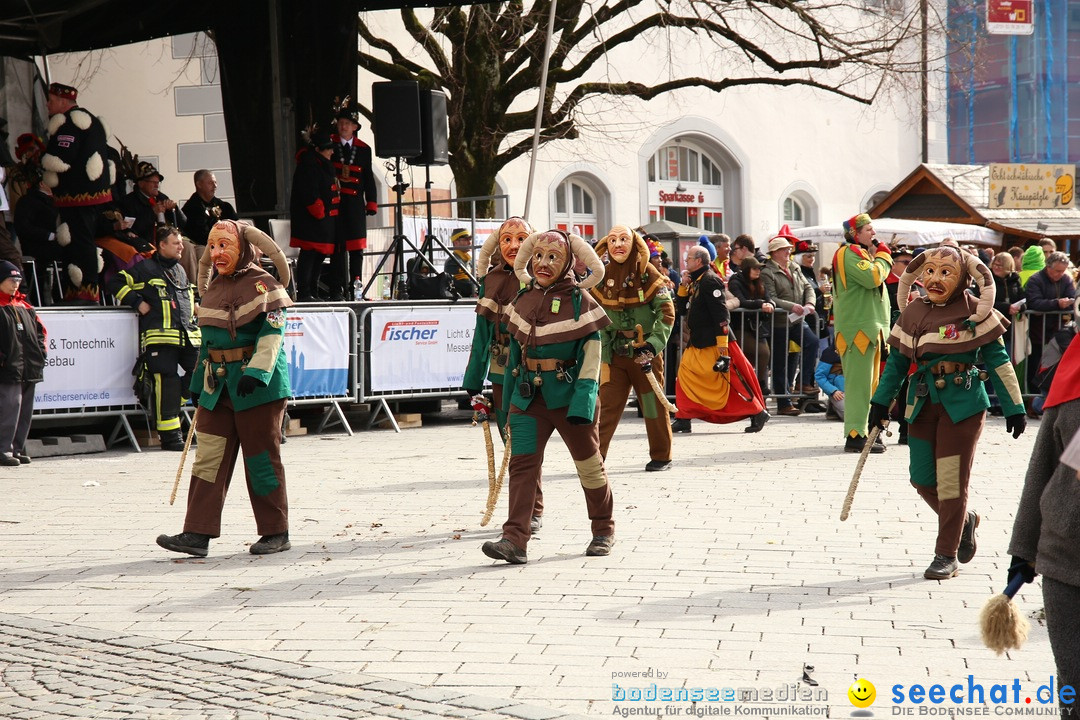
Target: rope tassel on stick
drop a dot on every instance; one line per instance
(647, 369)
(183, 457)
(870, 438)
(482, 415)
(1000, 622)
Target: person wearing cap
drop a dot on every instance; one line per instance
(313, 212)
(458, 263)
(76, 168)
(22, 365)
(202, 210)
(152, 208)
(794, 341)
(805, 256)
(241, 387)
(159, 290)
(359, 198)
(861, 311)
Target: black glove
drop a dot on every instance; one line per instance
(195, 399)
(472, 391)
(1020, 566)
(574, 420)
(1016, 424)
(879, 415)
(372, 212)
(247, 385)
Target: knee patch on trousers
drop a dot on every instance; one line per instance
(208, 456)
(261, 471)
(948, 477)
(591, 472)
(523, 432)
(648, 405)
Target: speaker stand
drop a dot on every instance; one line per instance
(396, 250)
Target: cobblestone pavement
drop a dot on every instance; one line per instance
(731, 569)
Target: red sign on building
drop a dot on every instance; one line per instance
(1009, 17)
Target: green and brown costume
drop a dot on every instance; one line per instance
(242, 318)
(634, 293)
(938, 348)
(554, 386)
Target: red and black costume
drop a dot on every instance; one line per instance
(313, 210)
(359, 198)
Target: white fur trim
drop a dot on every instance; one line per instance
(112, 172)
(81, 119)
(63, 235)
(54, 164)
(75, 273)
(50, 179)
(100, 260)
(94, 166)
(54, 123)
(104, 126)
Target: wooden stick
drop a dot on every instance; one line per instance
(870, 438)
(183, 457)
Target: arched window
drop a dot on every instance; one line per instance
(794, 214)
(575, 209)
(688, 186)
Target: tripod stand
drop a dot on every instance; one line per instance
(396, 250)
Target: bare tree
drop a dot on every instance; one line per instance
(488, 60)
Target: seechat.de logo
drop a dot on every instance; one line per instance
(862, 695)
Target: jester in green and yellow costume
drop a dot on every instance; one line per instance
(240, 387)
(553, 385)
(861, 321)
(635, 296)
(941, 345)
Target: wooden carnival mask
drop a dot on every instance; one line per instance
(511, 234)
(620, 242)
(550, 258)
(224, 247)
(942, 274)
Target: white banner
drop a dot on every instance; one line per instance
(317, 351)
(420, 348)
(90, 359)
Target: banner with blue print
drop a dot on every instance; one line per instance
(317, 349)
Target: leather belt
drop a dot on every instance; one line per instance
(947, 367)
(232, 354)
(548, 364)
(628, 333)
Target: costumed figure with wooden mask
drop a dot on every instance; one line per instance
(939, 344)
(241, 386)
(635, 296)
(490, 353)
(552, 384)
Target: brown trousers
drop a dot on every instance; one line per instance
(500, 420)
(529, 432)
(941, 454)
(223, 432)
(617, 378)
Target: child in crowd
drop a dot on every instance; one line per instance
(22, 365)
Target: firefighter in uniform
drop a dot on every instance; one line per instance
(352, 164)
(158, 289)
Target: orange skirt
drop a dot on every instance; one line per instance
(703, 393)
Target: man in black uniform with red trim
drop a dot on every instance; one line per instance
(352, 163)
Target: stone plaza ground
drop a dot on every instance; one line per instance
(731, 570)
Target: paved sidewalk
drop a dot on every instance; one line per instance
(730, 570)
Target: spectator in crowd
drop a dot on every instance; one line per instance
(77, 170)
(25, 174)
(671, 357)
(706, 243)
(160, 291)
(202, 210)
(805, 256)
(1050, 291)
(1048, 246)
(742, 248)
(723, 251)
(313, 211)
(751, 329)
(1032, 261)
(150, 207)
(22, 365)
(1017, 253)
(794, 342)
(359, 199)
(830, 378)
(35, 224)
(861, 312)
(901, 258)
(458, 263)
(669, 270)
(1008, 293)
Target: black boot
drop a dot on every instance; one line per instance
(172, 440)
(758, 421)
(308, 264)
(186, 542)
(681, 425)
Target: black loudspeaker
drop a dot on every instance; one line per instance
(432, 129)
(397, 119)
